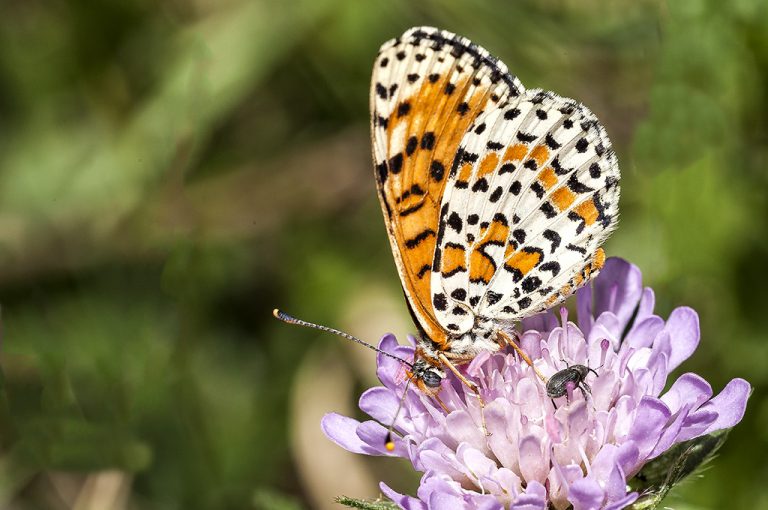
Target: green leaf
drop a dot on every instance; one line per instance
(378, 504)
(660, 475)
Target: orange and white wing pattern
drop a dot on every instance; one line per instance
(532, 195)
(428, 88)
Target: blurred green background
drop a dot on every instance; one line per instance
(172, 170)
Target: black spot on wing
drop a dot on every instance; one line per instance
(551, 266)
(554, 238)
(458, 310)
(493, 297)
(573, 216)
(454, 221)
(382, 171)
(437, 171)
(428, 140)
(410, 146)
(559, 169)
(396, 163)
(480, 185)
(551, 142)
(506, 168)
(511, 114)
(459, 294)
(548, 210)
(381, 91)
(525, 137)
(524, 303)
(440, 302)
(576, 186)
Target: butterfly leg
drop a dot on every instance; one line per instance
(472, 386)
(442, 404)
(508, 340)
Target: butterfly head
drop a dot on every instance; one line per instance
(428, 377)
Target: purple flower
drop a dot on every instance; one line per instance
(581, 453)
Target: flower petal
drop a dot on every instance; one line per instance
(650, 419)
(405, 502)
(374, 434)
(379, 403)
(584, 316)
(433, 455)
(438, 500)
(618, 289)
(390, 371)
(541, 322)
(606, 326)
(671, 432)
(463, 429)
(343, 431)
(534, 464)
(688, 388)
(729, 405)
(534, 498)
(647, 302)
(644, 332)
(624, 502)
(476, 461)
(586, 494)
(605, 467)
(683, 329)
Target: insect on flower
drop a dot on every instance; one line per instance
(496, 199)
(575, 375)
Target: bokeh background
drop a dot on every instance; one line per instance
(172, 170)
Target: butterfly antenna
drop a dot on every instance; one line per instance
(389, 444)
(281, 315)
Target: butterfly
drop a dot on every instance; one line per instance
(496, 198)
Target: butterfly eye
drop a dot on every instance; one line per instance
(432, 378)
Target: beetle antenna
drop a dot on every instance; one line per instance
(289, 319)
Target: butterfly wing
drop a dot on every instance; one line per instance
(532, 196)
(428, 86)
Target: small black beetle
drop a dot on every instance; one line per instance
(577, 374)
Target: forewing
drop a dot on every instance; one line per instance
(532, 196)
(428, 86)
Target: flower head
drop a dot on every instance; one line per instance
(579, 452)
